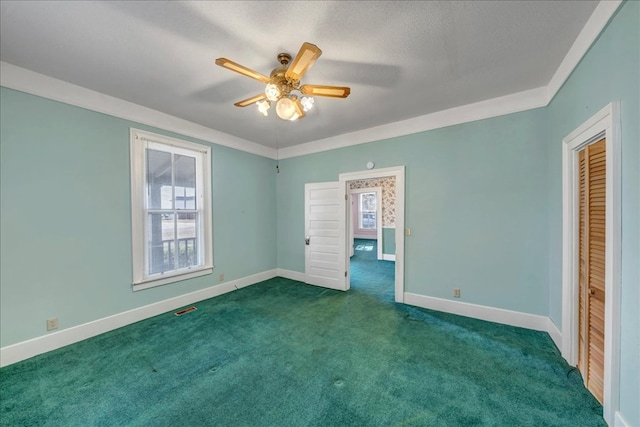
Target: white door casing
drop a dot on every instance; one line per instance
(605, 123)
(350, 231)
(325, 236)
(398, 173)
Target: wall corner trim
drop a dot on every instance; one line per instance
(554, 333)
(290, 274)
(600, 17)
(620, 421)
(500, 106)
(23, 350)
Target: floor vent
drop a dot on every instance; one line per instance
(185, 311)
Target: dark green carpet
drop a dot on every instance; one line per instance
(281, 353)
(370, 275)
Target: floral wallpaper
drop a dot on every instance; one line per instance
(388, 185)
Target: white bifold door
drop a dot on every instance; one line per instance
(325, 238)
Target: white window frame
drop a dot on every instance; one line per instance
(362, 211)
(140, 140)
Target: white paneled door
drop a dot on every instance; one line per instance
(325, 239)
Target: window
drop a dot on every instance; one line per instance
(367, 211)
(171, 209)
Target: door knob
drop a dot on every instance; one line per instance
(307, 239)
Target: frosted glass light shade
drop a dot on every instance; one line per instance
(307, 103)
(263, 107)
(285, 108)
(272, 92)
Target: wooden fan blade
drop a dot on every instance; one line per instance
(251, 100)
(303, 61)
(233, 66)
(331, 91)
(299, 110)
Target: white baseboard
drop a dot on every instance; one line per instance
(388, 257)
(290, 274)
(554, 333)
(482, 312)
(26, 349)
(620, 421)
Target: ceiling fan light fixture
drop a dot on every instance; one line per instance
(272, 91)
(285, 108)
(283, 81)
(307, 103)
(263, 107)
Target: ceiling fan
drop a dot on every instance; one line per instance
(283, 84)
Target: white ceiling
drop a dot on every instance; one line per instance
(402, 59)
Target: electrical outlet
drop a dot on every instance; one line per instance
(221, 277)
(456, 293)
(52, 323)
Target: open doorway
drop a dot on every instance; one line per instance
(375, 231)
(370, 212)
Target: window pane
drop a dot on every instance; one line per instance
(187, 240)
(368, 211)
(161, 242)
(368, 220)
(185, 169)
(159, 194)
(368, 201)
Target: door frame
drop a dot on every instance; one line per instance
(605, 123)
(398, 172)
(378, 191)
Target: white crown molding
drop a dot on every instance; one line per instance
(21, 79)
(45, 343)
(495, 107)
(595, 24)
(14, 77)
(513, 103)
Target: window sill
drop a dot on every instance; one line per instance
(171, 278)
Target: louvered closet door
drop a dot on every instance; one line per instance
(592, 191)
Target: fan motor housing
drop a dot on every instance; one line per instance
(278, 78)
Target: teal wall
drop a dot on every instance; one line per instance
(388, 241)
(476, 203)
(609, 71)
(66, 220)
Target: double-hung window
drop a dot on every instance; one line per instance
(171, 209)
(367, 211)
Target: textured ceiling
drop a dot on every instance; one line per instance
(401, 59)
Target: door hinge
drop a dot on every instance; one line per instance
(345, 197)
(345, 274)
